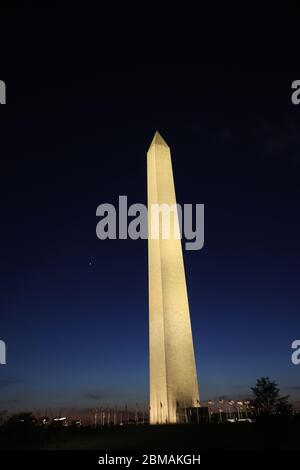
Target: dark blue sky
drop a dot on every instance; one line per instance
(75, 132)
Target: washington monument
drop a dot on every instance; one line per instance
(173, 376)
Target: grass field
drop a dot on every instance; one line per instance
(159, 438)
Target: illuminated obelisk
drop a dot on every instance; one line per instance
(173, 376)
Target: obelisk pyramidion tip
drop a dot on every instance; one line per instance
(158, 140)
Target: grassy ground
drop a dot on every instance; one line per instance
(162, 438)
(159, 438)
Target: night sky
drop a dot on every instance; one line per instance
(81, 112)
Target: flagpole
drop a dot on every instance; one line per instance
(198, 402)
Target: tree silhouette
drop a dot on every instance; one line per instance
(267, 399)
(24, 420)
(283, 407)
